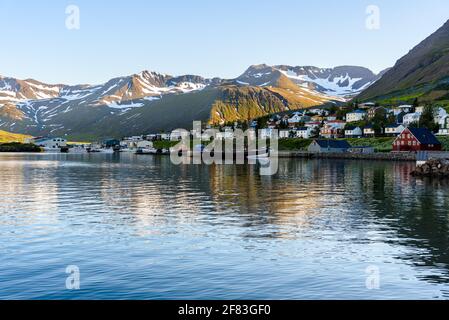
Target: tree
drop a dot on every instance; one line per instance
(427, 119)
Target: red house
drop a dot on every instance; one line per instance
(416, 139)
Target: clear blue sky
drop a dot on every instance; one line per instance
(205, 37)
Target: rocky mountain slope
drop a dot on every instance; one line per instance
(423, 73)
(150, 101)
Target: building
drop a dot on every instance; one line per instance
(377, 111)
(410, 118)
(267, 133)
(313, 124)
(393, 130)
(357, 115)
(369, 131)
(329, 146)
(416, 139)
(50, 143)
(304, 132)
(283, 134)
(331, 132)
(296, 119)
(353, 132)
(444, 128)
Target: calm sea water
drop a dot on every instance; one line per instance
(142, 228)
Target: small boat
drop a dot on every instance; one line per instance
(146, 151)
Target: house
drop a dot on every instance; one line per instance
(304, 132)
(353, 132)
(369, 131)
(313, 124)
(377, 111)
(444, 128)
(402, 109)
(357, 115)
(393, 130)
(267, 133)
(50, 143)
(110, 143)
(331, 117)
(329, 146)
(336, 124)
(331, 132)
(367, 105)
(416, 139)
(410, 118)
(297, 118)
(283, 134)
(144, 144)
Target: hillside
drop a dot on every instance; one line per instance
(153, 102)
(423, 73)
(6, 137)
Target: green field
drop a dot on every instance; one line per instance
(6, 137)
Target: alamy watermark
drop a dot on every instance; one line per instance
(372, 21)
(373, 278)
(73, 19)
(233, 146)
(73, 281)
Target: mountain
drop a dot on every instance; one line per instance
(344, 81)
(423, 73)
(150, 101)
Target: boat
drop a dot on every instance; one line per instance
(146, 151)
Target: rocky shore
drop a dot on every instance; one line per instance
(432, 168)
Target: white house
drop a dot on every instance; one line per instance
(51, 143)
(283, 134)
(313, 124)
(355, 116)
(410, 118)
(369, 131)
(444, 128)
(304, 132)
(394, 129)
(404, 108)
(353, 132)
(144, 144)
(441, 116)
(267, 133)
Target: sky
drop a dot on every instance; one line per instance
(211, 38)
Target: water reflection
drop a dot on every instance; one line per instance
(121, 216)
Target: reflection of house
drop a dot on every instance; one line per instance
(353, 132)
(327, 146)
(416, 139)
(394, 130)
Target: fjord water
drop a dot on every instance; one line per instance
(143, 228)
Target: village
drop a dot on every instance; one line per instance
(410, 128)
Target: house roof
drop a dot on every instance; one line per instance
(424, 136)
(393, 125)
(369, 126)
(350, 128)
(334, 144)
(358, 111)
